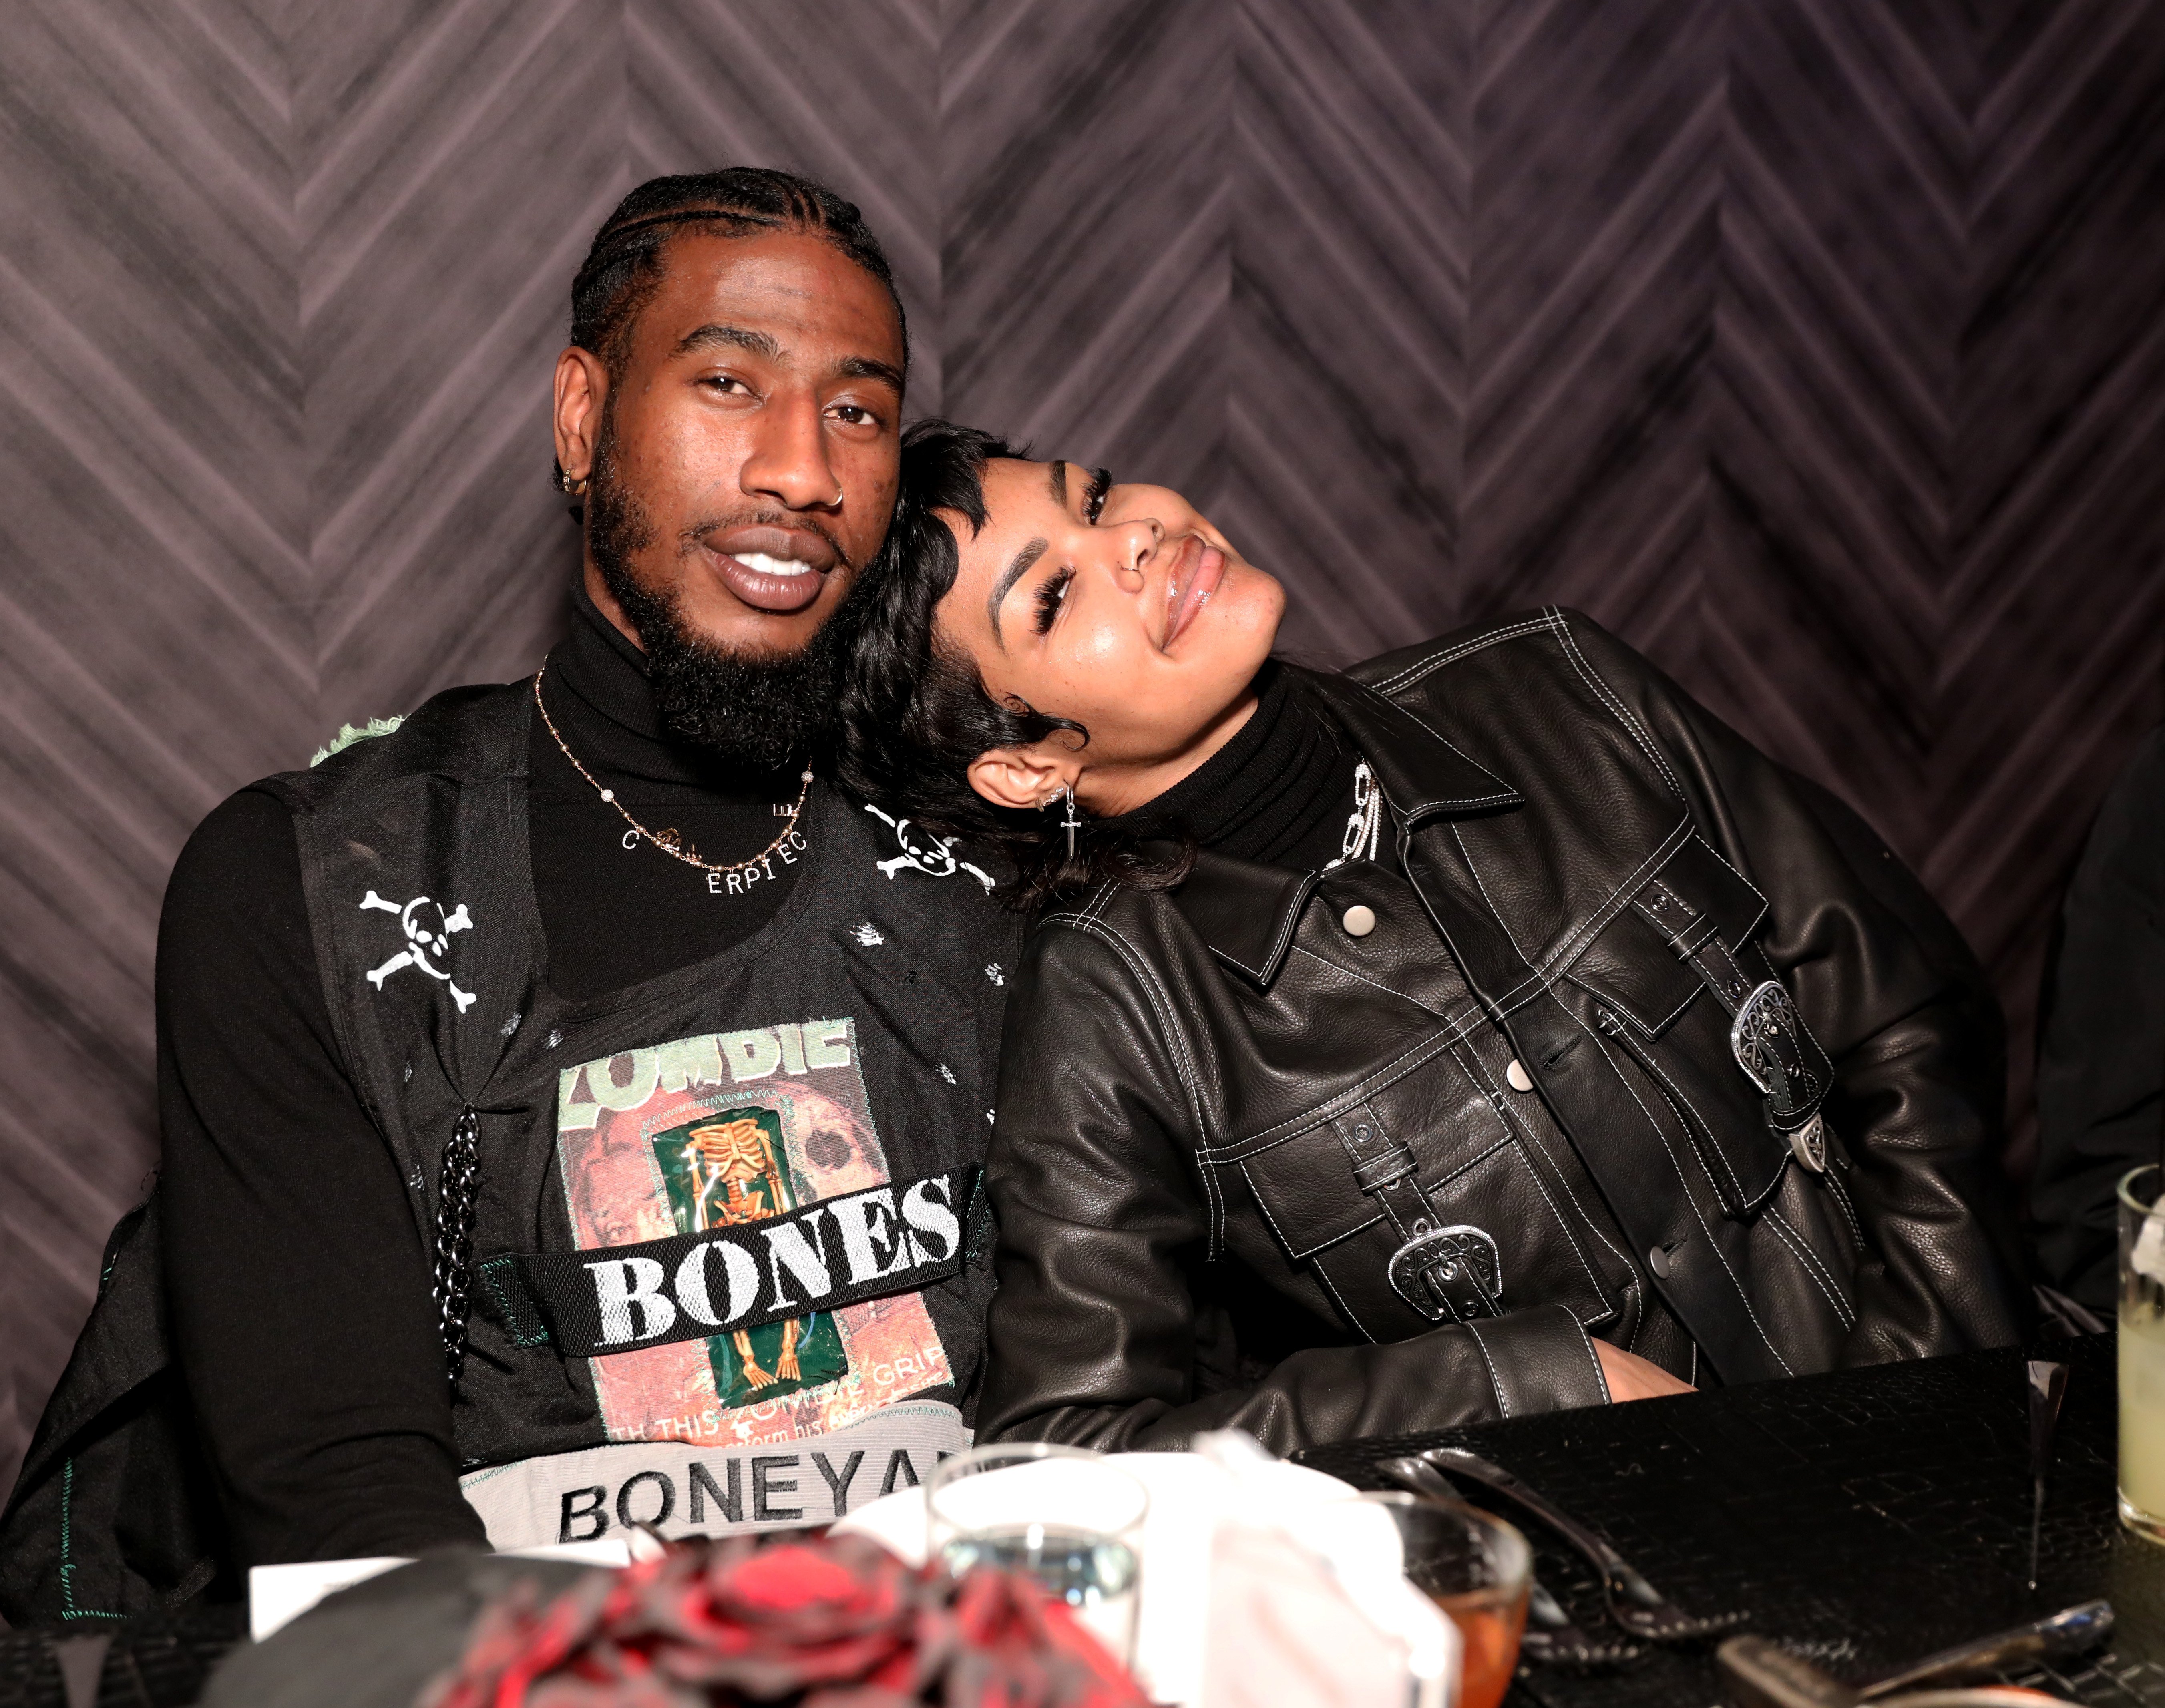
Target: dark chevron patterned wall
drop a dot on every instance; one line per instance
(1817, 345)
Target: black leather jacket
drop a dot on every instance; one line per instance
(1256, 1165)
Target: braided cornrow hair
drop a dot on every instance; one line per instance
(624, 267)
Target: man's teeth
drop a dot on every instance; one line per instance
(760, 564)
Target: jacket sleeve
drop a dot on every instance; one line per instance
(1902, 1010)
(1094, 1332)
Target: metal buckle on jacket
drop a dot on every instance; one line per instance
(1453, 1271)
(1767, 1038)
(1808, 1143)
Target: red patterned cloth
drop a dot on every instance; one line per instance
(811, 1621)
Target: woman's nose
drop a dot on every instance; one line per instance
(1140, 536)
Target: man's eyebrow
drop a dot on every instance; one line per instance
(1008, 577)
(865, 368)
(1059, 479)
(731, 337)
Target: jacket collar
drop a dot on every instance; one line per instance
(1245, 912)
(1420, 771)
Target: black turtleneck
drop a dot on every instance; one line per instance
(614, 916)
(299, 1308)
(1278, 793)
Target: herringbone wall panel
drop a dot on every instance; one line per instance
(1816, 346)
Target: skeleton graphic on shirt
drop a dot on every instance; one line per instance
(728, 1160)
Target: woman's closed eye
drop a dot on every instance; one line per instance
(1051, 594)
(1094, 495)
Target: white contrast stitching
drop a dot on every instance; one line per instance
(1765, 907)
(1526, 1128)
(1405, 678)
(1652, 1029)
(1338, 1299)
(1477, 1074)
(1788, 1237)
(1161, 1001)
(1496, 1381)
(1610, 698)
(1601, 1375)
(1293, 1253)
(1713, 1144)
(1590, 927)
(1464, 1020)
(1849, 1214)
(1690, 1202)
(1292, 1126)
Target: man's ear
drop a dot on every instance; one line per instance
(582, 393)
(1022, 776)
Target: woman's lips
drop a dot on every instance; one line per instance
(1196, 574)
(774, 570)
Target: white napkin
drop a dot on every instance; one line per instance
(1191, 1495)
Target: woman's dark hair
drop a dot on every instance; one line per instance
(917, 712)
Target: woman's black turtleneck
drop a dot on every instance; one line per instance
(1278, 793)
(614, 916)
(297, 1307)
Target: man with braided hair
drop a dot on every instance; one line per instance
(441, 1019)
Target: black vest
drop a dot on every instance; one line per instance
(848, 1046)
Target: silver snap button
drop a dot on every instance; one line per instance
(1657, 1260)
(1516, 1077)
(1359, 920)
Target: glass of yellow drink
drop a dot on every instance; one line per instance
(2142, 1353)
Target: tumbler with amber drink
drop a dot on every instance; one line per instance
(2142, 1353)
(1478, 1569)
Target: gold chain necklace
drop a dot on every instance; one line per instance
(667, 841)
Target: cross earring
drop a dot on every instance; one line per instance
(1071, 823)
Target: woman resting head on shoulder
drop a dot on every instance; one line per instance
(1270, 1152)
(1043, 631)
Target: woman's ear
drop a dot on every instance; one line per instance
(1021, 776)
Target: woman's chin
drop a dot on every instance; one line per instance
(1241, 618)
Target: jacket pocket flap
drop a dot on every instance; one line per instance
(1636, 962)
(1308, 1192)
(1696, 886)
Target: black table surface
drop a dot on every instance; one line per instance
(1862, 1519)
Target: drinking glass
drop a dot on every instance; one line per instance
(2142, 1354)
(1068, 1519)
(1477, 1568)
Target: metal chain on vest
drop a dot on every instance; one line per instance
(455, 1214)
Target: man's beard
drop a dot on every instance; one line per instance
(764, 711)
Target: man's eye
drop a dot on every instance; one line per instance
(1094, 496)
(726, 383)
(856, 414)
(1049, 597)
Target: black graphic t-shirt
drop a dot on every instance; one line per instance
(299, 1312)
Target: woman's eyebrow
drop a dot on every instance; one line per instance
(1008, 577)
(1058, 478)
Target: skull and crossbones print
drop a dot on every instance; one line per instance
(429, 932)
(937, 860)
